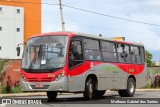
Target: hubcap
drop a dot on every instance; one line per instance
(131, 87)
(90, 91)
(90, 88)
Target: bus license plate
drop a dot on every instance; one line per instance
(39, 86)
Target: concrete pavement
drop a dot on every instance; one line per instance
(44, 93)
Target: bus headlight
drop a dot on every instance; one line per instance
(58, 77)
(22, 76)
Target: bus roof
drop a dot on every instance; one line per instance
(71, 34)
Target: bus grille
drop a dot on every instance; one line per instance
(39, 79)
(44, 87)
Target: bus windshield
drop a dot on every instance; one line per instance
(45, 52)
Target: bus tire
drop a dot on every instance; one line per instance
(129, 92)
(89, 88)
(52, 95)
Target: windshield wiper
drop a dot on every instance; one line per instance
(30, 66)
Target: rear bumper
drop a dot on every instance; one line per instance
(60, 85)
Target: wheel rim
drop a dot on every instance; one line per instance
(90, 90)
(131, 87)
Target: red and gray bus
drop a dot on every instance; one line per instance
(77, 62)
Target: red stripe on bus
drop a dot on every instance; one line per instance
(132, 69)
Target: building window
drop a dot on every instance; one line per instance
(0, 28)
(18, 29)
(18, 11)
(0, 9)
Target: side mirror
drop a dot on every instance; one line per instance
(18, 51)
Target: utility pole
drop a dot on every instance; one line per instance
(61, 12)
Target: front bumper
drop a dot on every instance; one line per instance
(60, 85)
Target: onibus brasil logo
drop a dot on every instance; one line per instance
(20, 101)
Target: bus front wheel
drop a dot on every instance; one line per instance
(52, 95)
(129, 92)
(89, 88)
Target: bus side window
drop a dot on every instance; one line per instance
(75, 54)
(136, 55)
(142, 55)
(133, 54)
(92, 50)
(127, 53)
(120, 52)
(109, 51)
(124, 53)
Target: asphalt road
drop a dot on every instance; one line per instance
(67, 100)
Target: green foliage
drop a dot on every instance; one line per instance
(149, 85)
(3, 89)
(149, 59)
(16, 89)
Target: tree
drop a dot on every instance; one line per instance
(149, 59)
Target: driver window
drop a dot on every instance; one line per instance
(75, 53)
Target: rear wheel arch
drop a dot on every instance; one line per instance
(134, 78)
(131, 85)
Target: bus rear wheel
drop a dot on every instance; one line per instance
(89, 89)
(52, 95)
(129, 92)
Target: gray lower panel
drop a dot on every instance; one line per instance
(60, 85)
(76, 84)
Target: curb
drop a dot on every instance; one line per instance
(44, 93)
(147, 90)
(30, 94)
(140, 90)
(23, 94)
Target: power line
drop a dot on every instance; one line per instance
(102, 14)
(98, 27)
(87, 26)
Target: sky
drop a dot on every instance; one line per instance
(138, 10)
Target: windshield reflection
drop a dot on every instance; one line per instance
(47, 52)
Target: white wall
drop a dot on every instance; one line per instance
(10, 20)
